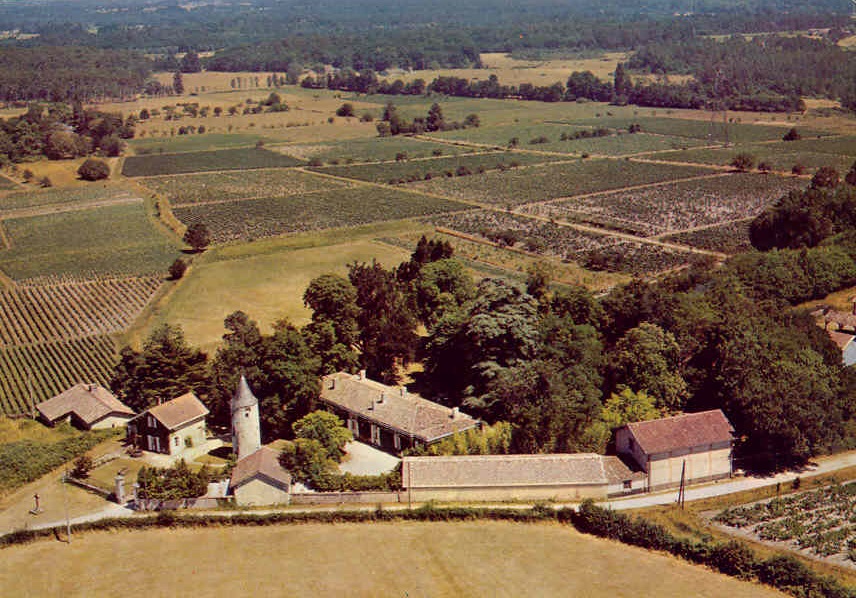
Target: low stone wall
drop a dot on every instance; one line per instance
(336, 498)
(99, 491)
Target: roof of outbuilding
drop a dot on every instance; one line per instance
(179, 411)
(514, 470)
(264, 461)
(682, 431)
(89, 402)
(398, 409)
(243, 396)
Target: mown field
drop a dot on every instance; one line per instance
(258, 218)
(401, 559)
(226, 159)
(525, 185)
(429, 168)
(188, 189)
(674, 206)
(117, 239)
(42, 198)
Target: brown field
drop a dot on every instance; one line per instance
(402, 559)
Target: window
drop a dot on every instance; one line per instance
(628, 484)
(151, 421)
(397, 441)
(375, 434)
(176, 441)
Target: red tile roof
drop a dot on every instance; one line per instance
(89, 402)
(514, 470)
(264, 462)
(179, 411)
(682, 431)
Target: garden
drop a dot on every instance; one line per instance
(821, 522)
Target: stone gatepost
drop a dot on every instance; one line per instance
(120, 489)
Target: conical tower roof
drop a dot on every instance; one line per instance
(243, 396)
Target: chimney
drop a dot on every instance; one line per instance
(361, 375)
(332, 384)
(454, 413)
(403, 391)
(380, 400)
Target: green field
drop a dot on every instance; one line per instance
(551, 181)
(258, 218)
(188, 189)
(780, 156)
(266, 280)
(108, 240)
(36, 198)
(368, 150)
(194, 143)
(380, 559)
(713, 130)
(227, 159)
(417, 170)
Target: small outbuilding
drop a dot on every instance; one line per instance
(697, 446)
(172, 427)
(387, 417)
(260, 480)
(559, 477)
(86, 406)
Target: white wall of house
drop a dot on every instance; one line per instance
(196, 432)
(702, 464)
(259, 492)
(111, 421)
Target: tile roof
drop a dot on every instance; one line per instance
(408, 413)
(682, 431)
(179, 411)
(514, 470)
(842, 339)
(89, 402)
(264, 461)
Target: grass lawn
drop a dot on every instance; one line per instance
(113, 239)
(268, 287)
(105, 476)
(400, 559)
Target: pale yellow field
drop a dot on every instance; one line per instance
(268, 287)
(384, 559)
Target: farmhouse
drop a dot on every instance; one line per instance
(697, 444)
(518, 477)
(86, 406)
(171, 427)
(389, 418)
(260, 480)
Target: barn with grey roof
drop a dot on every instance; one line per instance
(388, 417)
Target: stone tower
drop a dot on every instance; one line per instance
(246, 429)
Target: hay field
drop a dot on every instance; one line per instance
(401, 559)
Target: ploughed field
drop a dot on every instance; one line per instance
(379, 559)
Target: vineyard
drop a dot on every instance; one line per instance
(117, 240)
(599, 252)
(258, 218)
(58, 333)
(780, 157)
(41, 313)
(375, 149)
(728, 238)
(188, 189)
(552, 181)
(821, 522)
(674, 206)
(48, 368)
(227, 159)
(61, 197)
(7, 184)
(418, 170)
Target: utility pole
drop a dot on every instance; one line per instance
(30, 393)
(682, 490)
(65, 502)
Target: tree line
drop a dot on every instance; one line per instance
(555, 367)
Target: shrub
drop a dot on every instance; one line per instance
(792, 135)
(315, 162)
(346, 109)
(367, 117)
(93, 169)
(82, 466)
(177, 269)
(28, 175)
(45, 182)
(743, 161)
(798, 169)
